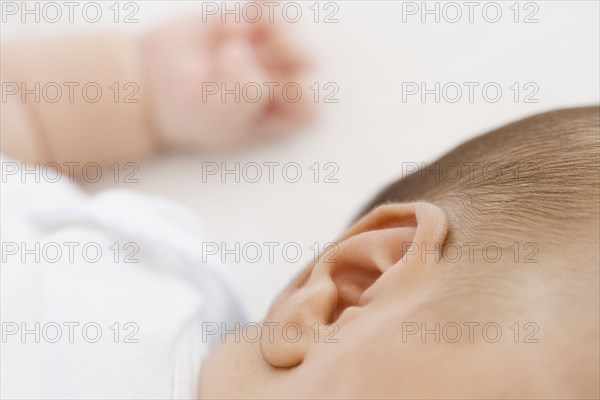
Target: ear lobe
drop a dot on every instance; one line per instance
(374, 244)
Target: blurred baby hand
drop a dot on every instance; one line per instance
(217, 85)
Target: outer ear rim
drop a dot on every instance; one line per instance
(430, 220)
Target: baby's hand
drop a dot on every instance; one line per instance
(217, 85)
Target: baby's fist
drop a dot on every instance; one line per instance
(216, 85)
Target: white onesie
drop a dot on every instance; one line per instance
(103, 296)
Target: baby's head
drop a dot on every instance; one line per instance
(476, 276)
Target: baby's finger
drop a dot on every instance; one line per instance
(288, 111)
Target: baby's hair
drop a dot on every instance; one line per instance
(539, 174)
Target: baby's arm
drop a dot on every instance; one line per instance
(65, 100)
(124, 98)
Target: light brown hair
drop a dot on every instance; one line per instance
(539, 173)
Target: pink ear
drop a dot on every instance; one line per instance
(341, 277)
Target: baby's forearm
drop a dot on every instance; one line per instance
(75, 99)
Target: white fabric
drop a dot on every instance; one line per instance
(164, 297)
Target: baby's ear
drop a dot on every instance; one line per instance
(381, 241)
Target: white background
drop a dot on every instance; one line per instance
(370, 132)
